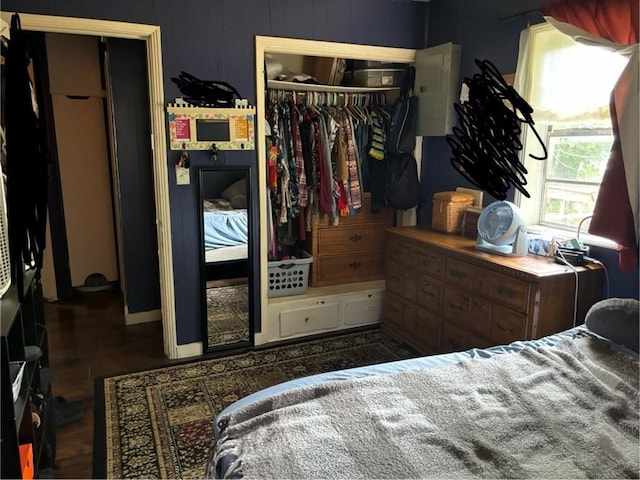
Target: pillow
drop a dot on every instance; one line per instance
(616, 319)
(236, 188)
(238, 201)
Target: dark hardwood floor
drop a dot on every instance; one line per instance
(88, 338)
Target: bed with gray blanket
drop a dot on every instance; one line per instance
(564, 406)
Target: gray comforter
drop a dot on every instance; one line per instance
(568, 411)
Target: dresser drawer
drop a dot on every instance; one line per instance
(454, 338)
(399, 314)
(507, 326)
(467, 276)
(427, 328)
(455, 306)
(364, 215)
(467, 311)
(405, 282)
(500, 288)
(427, 261)
(480, 310)
(394, 277)
(393, 311)
(415, 325)
(509, 291)
(310, 319)
(349, 267)
(399, 252)
(429, 293)
(349, 239)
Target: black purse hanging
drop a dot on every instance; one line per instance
(402, 184)
(401, 137)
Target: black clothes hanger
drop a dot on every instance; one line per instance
(206, 93)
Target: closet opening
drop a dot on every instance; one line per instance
(323, 100)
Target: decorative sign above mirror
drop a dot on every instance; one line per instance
(200, 128)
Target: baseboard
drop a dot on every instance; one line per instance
(190, 350)
(142, 317)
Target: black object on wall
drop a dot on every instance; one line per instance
(58, 232)
(134, 172)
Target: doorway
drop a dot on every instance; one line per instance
(71, 85)
(151, 35)
(101, 199)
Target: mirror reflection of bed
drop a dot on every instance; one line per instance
(223, 193)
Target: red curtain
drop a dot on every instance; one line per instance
(617, 21)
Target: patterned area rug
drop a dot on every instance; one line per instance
(159, 423)
(227, 314)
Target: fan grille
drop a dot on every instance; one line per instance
(495, 223)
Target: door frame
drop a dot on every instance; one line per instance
(151, 35)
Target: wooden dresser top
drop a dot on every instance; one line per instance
(464, 248)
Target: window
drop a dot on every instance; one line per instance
(569, 86)
(572, 174)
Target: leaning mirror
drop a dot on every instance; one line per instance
(226, 272)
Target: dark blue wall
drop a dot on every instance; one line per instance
(476, 26)
(215, 40)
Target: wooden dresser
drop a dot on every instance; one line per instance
(444, 295)
(352, 251)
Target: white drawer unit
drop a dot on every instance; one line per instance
(322, 310)
(364, 309)
(321, 316)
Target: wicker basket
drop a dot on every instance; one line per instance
(448, 210)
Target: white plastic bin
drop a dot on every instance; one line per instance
(289, 277)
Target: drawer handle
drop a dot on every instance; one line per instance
(355, 237)
(355, 264)
(456, 307)
(504, 329)
(457, 274)
(306, 319)
(505, 291)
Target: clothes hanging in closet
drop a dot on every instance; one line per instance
(320, 160)
(27, 162)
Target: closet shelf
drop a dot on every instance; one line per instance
(307, 87)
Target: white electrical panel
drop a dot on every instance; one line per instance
(437, 86)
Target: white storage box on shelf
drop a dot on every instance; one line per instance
(375, 77)
(289, 277)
